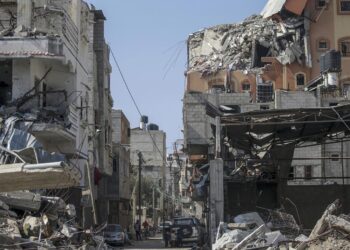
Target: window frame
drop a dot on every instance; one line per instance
(322, 40)
(296, 79)
(342, 12)
(308, 172)
(246, 83)
(318, 7)
(340, 42)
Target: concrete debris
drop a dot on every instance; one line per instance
(330, 232)
(34, 229)
(242, 46)
(250, 231)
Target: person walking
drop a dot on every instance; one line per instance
(137, 228)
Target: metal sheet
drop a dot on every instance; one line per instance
(272, 7)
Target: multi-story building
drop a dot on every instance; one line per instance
(55, 72)
(151, 143)
(270, 61)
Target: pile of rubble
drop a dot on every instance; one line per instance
(31, 221)
(250, 231)
(241, 46)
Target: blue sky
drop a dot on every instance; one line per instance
(148, 38)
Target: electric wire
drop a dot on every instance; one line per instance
(139, 112)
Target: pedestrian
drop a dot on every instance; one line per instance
(137, 228)
(166, 236)
(145, 228)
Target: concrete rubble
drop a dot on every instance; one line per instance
(45, 222)
(241, 46)
(250, 231)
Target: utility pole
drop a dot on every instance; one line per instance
(153, 208)
(139, 154)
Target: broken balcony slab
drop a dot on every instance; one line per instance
(15, 177)
(19, 47)
(52, 133)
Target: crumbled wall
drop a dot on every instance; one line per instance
(241, 46)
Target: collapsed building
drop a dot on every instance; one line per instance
(55, 104)
(265, 71)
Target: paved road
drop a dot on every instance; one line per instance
(152, 243)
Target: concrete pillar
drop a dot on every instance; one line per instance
(24, 13)
(216, 194)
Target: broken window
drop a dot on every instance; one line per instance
(300, 79)
(5, 82)
(344, 6)
(307, 172)
(344, 45)
(323, 44)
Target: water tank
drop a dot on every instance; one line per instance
(152, 126)
(330, 61)
(144, 119)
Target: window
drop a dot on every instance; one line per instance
(300, 79)
(114, 165)
(246, 86)
(344, 6)
(291, 173)
(334, 157)
(320, 4)
(344, 46)
(264, 107)
(307, 172)
(323, 44)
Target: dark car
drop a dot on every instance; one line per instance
(189, 228)
(114, 235)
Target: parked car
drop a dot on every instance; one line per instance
(165, 224)
(189, 228)
(114, 235)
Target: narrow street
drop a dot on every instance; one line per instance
(151, 243)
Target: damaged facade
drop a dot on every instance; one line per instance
(272, 61)
(55, 103)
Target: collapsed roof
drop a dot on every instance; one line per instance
(241, 46)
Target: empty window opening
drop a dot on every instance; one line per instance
(300, 79)
(344, 5)
(320, 4)
(323, 44)
(264, 107)
(291, 173)
(5, 82)
(246, 86)
(345, 47)
(308, 172)
(335, 157)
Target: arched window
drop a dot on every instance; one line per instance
(300, 79)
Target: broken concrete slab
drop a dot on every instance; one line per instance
(37, 176)
(27, 201)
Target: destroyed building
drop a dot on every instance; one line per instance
(264, 70)
(55, 102)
